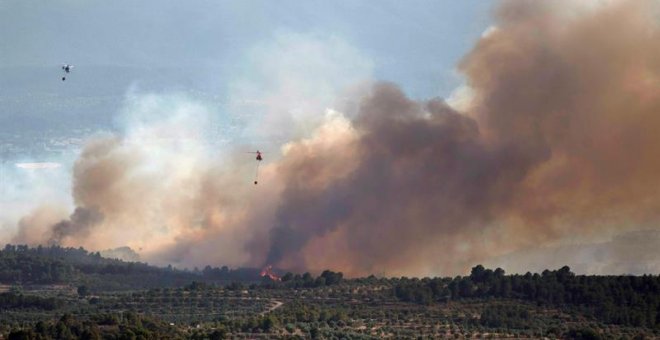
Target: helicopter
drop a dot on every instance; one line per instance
(259, 158)
(67, 69)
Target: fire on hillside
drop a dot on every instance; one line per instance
(268, 271)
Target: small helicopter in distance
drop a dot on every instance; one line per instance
(259, 159)
(67, 69)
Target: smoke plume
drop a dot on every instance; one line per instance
(79, 225)
(558, 143)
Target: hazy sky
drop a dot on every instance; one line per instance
(414, 43)
(231, 54)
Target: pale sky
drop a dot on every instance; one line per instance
(205, 46)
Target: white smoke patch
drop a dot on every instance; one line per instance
(172, 130)
(161, 153)
(295, 78)
(461, 99)
(488, 32)
(32, 192)
(130, 182)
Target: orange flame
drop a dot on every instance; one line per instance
(268, 271)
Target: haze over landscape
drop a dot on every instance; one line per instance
(417, 140)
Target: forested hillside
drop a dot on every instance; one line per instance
(23, 265)
(625, 300)
(55, 292)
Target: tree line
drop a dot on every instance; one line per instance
(624, 299)
(24, 265)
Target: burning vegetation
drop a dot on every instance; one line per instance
(267, 271)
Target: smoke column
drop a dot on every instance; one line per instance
(557, 142)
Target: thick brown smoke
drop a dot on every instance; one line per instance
(419, 174)
(559, 143)
(96, 190)
(79, 225)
